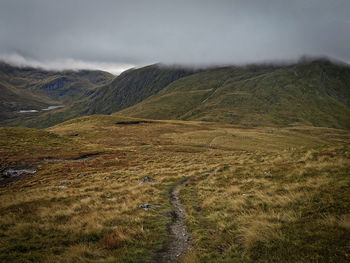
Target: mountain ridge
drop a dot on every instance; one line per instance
(311, 92)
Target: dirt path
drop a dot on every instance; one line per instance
(180, 238)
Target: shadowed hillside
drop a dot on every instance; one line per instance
(35, 89)
(132, 87)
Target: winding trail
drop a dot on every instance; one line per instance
(180, 238)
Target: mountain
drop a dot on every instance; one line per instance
(132, 87)
(312, 92)
(128, 89)
(35, 89)
(102, 188)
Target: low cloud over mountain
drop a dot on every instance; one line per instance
(114, 35)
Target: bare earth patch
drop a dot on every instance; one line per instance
(180, 238)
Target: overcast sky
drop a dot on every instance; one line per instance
(114, 35)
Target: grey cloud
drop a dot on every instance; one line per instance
(182, 32)
(66, 64)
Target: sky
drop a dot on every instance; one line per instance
(114, 35)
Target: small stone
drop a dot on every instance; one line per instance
(147, 179)
(147, 206)
(81, 175)
(267, 172)
(62, 187)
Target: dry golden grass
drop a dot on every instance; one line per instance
(237, 212)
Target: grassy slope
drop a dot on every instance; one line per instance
(299, 212)
(23, 146)
(315, 93)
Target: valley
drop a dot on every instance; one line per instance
(174, 131)
(171, 164)
(31, 95)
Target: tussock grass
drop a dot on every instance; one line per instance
(237, 211)
(298, 213)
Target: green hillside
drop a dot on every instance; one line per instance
(128, 89)
(314, 93)
(132, 87)
(311, 92)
